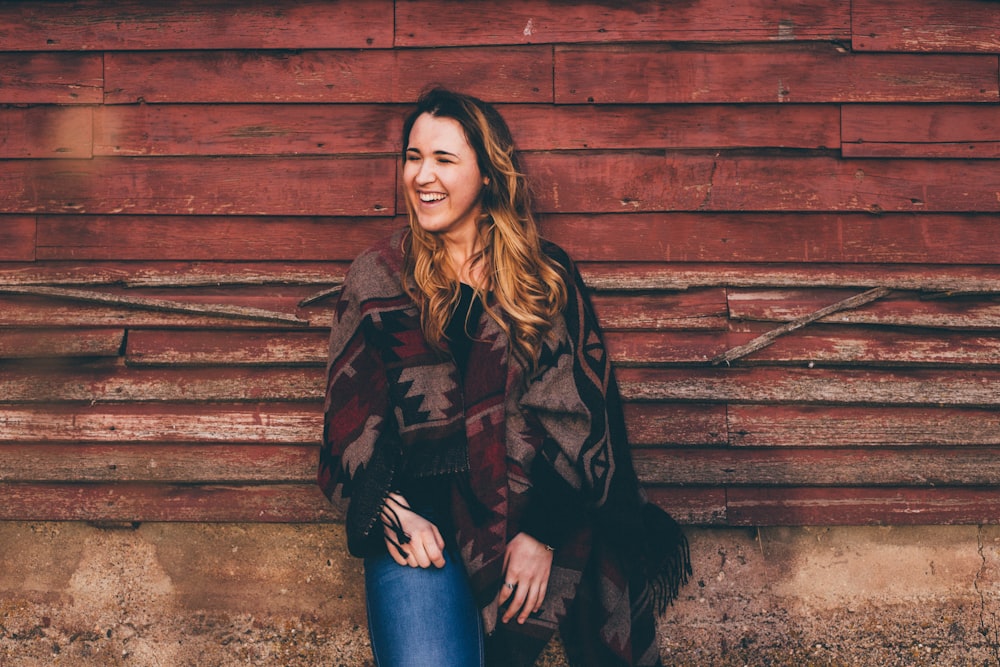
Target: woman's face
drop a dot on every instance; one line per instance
(441, 178)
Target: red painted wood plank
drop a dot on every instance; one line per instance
(209, 186)
(938, 131)
(918, 387)
(17, 238)
(249, 76)
(246, 129)
(230, 307)
(56, 343)
(793, 425)
(814, 345)
(697, 309)
(861, 506)
(771, 237)
(229, 347)
(643, 74)
(837, 345)
(158, 463)
(453, 22)
(309, 129)
(673, 276)
(46, 312)
(183, 24)
(266, 503)
(702, 506)
(969, 26)
(129, 237)
(612, 126)
(51, 78)
(113, 383)
(46, 131)
(318, 276)
(901, 309)
(138, 437)
(642, 182)
(912, 466)
(676, 424)
(126, 424)
(498, 74)
(273, 297)
(646, 348)
(599, 276)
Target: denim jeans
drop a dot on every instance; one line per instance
(422, 617)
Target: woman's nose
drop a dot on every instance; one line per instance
(425, 174)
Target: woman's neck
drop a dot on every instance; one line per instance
(462, 255)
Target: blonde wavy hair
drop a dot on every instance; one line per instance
(528, 288)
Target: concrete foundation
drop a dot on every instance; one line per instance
(211, 594)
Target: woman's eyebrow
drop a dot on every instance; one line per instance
(413, 149)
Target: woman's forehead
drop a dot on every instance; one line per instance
(431, 134)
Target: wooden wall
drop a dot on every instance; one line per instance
(182, 184)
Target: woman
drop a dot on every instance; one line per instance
(473, 421)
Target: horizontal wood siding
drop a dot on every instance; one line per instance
(183, 185)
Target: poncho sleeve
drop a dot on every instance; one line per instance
(360, 452)
(576, 400)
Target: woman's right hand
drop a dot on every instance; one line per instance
(425, 546)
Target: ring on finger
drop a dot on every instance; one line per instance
(510, 585)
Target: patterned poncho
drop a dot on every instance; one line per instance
(398, 410)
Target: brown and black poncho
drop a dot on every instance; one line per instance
(398, 411)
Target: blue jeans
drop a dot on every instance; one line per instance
(422, 617)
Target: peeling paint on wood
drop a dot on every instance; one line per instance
(124, 424)
(923, 387)
(129, 302)
(56, 343)
(969, 26)
(262, 503)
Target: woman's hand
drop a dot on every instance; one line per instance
(526, 564)
(420, 544)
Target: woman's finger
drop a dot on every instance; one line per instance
(542, 590)
(396, 552)
(506, 590)
(529, 604)
(520, 594)
(435, 548)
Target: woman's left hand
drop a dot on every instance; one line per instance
(526, 564)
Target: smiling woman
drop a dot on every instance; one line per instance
(443, 183)
(473, 420)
